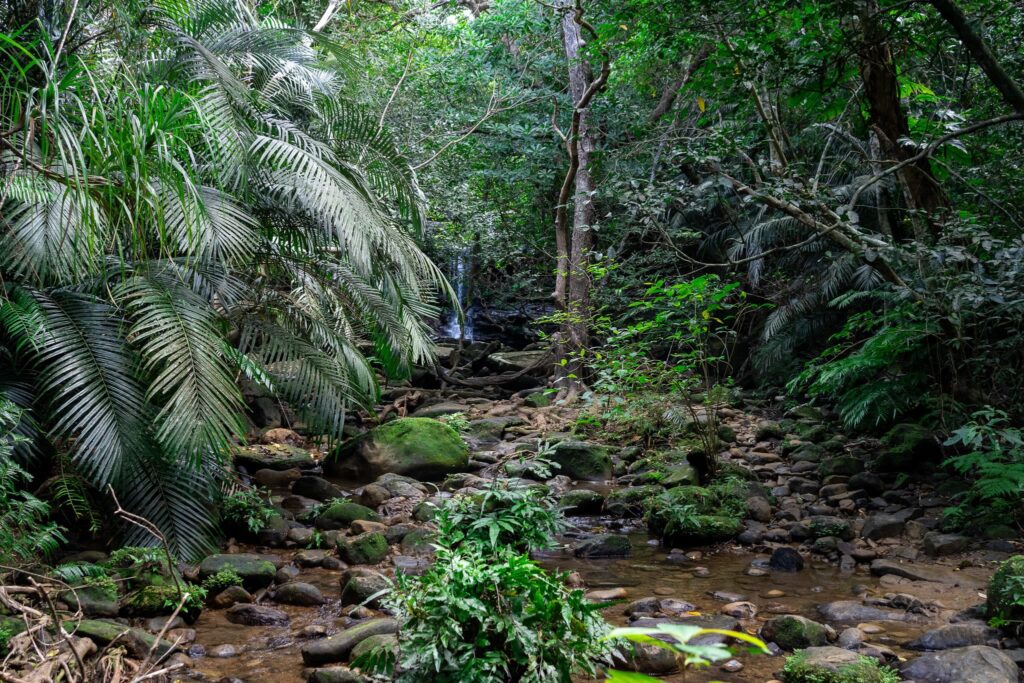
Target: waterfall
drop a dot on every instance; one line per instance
(460, 272)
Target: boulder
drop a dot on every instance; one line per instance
(828, 664)
(786, 559)
(973, 664)
(384, 641)
(630, 501)
(517, 360)
(333, 674)
(367, 548)
(248, 614)
(277, 456)
(341, 514)
(954, 635)
(414, 446)
(299, 593)
(582, 461)
(603, 545)
(337, 648)
(491, 429)
(853, 611)
(276, 478)
(316, 488)
(358, 585)
(95, 601)
(938, 544)
(136, 641)
(700, 530)
(255, 571)
(793, 632)
(232, 595)
(916, 572)
(681, 475)
(882, 525)
(441, 409)
(581, 502)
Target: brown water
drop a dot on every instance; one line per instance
(272, 653)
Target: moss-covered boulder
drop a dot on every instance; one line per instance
(368, 548)
(417, 447)
(382, 641)
(683, 474)
(491, 429)
(829, 664)
(769, 430)
(793, 632)
(583, 461)
(95, 600)
(696, 515)
(150, 601)
(341, 514)
(256, 572)
(843, 465)
(686, 529)
(907, 447)
(1006, 592)
(581, 502)
(276, 456)
(631, 501)
(137, 642)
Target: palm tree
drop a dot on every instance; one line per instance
(189, 199)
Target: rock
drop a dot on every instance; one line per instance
(232, 595)
(362, 526)
(341, 514)
(630, 501)
(299, 593)
(647, 659)
(419, 542)
(827, 525)
(853, 612)
(740, 610)
(769, 430)
(954, 635)
(582, 461)
(95, 601)
(256, 615)
(581, 502)
(793, 632)
(606, 595)
(272, 457)
(276, 478)
(358, 587)
(255, 571)
(417, 447)
(337, 648)
(681, 475)
(280, 435)
(973, 664)
(441, 409)
(136, 641)
(851, 638)
(844, 464)
(286, 573)
(274, 533)
(335, 674)
(368, 548)
(829, 664)
(866, 481)
(881, 525)
(316, 488)
(938, 544)
(603, 545)
(758, 508)
(222, 651)
(491, 429)
(934, 574)
(786, 559)
(537, 400)
(706, 621)
(311, 557)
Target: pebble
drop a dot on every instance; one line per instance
(756, 571)
(775, 593)
(660, 590)
(870, 628)
(223, 651)
(701, 572)
(606, 594)
(732, 666)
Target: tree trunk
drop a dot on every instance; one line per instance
(885, 114)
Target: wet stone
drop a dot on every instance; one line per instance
(786, 560)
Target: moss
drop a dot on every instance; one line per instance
(630, 501)
(1006, 592)
(769, 430)
(342, 513)
(799, 670)
(684, 529)
(582, 461)
(418, 447)
(368, 548)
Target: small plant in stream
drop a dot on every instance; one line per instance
(131, 556)
(248, 508)
(456, 421)
(678, 639)
(225, 578)
(866, 670)
(522, 518)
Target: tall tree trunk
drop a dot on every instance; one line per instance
(574, 242)
(921, 189)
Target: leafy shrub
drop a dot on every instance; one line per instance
(485, 612)
(993, 461)
(1006, 594)
(798, 670)
(25, 532)
(225, 578)
(131, 556)
(483, 617)
(522, 518)
(5, 638)
(456, 421)
(247, 508)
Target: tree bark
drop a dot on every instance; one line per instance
(888, 119)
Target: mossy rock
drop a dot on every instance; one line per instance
(383, 641)
(793, 632)
(631, 501)
(150, 601)
(908, 447)
(492, 428)
(418, 542)
(417, 447)
(830, 664)
(844, 465)
(681, 475)
(277, 456)
(699, 529)
(822, 526)
(1006, 591)
(96, 600)
(805, 412)
(811, 432)
(255, 571)
(807, 452)
(137, 642)
(769, 430)
(341, 514)
(581, 502)
(582, 461)
(368, 548)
